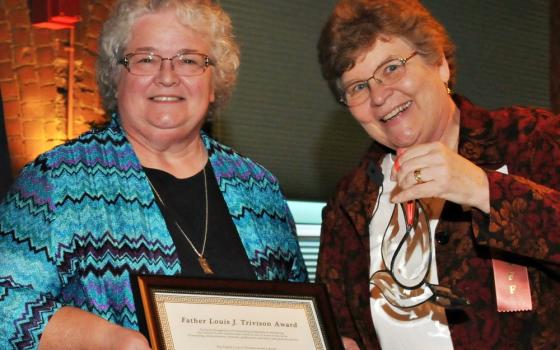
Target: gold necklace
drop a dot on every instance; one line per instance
(201, 259)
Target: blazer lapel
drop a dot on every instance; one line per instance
(362, 194)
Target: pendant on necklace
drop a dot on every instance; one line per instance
(205, 266)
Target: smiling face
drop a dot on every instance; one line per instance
(164, 107)
(414, 110)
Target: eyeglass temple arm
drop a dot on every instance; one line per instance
(445, 297)
(410, 208)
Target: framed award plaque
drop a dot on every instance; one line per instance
(193, 313)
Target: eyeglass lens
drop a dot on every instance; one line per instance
(407, 256)
(397, 295)
(386, 74)
(187, 64)
(407, 298)
(406, 251)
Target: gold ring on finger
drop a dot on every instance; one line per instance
(418, 177)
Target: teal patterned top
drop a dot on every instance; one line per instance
(81, 219)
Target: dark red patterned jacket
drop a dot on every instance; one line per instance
(523, 227)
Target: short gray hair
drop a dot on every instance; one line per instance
(202, 16)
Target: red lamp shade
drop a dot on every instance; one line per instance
(54, 14)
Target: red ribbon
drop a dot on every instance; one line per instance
(513, 292)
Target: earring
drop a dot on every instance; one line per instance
(449, 91)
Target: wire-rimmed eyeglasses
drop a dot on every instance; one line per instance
(407, 287)
(183, 63)
(386, 73)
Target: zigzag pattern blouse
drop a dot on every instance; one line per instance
(81, 219)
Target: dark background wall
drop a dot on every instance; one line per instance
(555, 55)
(283, 115)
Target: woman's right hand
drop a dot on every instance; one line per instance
(350, 344)
(442, 173)
(73, 328)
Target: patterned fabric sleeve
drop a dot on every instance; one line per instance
(260, 213)
(525, 204)
(298, 271)
(524, 218)
(28, 274)
(335, 245)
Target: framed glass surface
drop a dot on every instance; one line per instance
(194, 313)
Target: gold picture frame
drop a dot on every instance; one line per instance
(179, 312)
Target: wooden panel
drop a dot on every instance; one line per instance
(5, 170)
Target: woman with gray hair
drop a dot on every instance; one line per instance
(148, 194)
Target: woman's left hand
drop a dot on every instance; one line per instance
(434, 170)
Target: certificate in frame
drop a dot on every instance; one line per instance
(180, 312)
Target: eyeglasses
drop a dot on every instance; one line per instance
(386, 74)
(186, 64)
(403, 287)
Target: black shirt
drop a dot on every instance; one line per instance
(185, 203)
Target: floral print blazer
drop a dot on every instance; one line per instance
(523, 227)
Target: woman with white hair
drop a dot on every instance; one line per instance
(148, 194)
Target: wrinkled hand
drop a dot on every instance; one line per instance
(121, 338)
(76, 329)
(349, 344)
(444, 174)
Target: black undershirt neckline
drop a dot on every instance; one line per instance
(224, 250)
